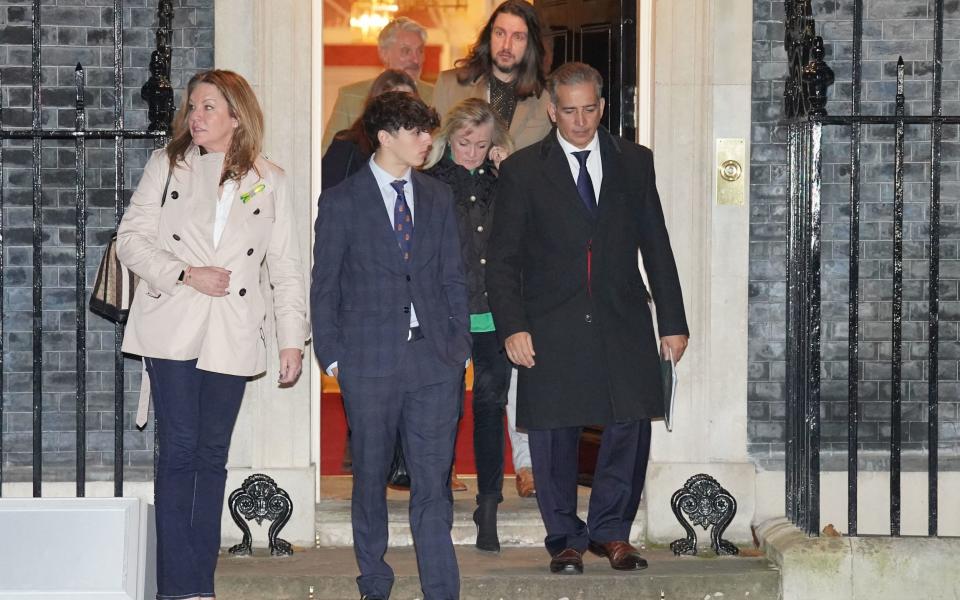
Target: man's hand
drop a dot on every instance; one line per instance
(673, 345)
(291, 363)
(212, 281)
(520, 349)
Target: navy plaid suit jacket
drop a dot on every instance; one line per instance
(362, 288)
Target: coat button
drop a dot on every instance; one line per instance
(174, 194)
(480, 171)
(588, 318)
(176, 237)
(473, 198)
(250, 252)
(243, 292)
(256, 212)
(406, 310)
(480, 228)
(408, 278)
(483, 261)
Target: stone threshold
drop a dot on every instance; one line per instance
(516, 573)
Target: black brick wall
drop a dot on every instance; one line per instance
(891, 28)
(75, 32)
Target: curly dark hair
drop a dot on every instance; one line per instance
(393, 111)
(531, 79)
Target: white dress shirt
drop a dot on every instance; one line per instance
(224, 203)
(594, 164)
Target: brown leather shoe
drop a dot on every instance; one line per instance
(567, 562)
(622, 556)
(455, 484)
(525, 485)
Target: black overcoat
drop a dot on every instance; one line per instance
(573, 282)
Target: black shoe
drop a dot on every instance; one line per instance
(486, 519)
(567, 562)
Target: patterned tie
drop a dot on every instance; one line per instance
(585, 184)
(403, 222)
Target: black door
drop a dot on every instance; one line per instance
(603, 34)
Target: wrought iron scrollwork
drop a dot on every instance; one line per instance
(260, 499)
(707, 504)
(805, 92)
(158, 91)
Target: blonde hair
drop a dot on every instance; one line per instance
(472, 112)
(247, 140)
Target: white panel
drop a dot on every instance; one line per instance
(53, 548)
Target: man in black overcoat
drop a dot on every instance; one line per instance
(571, 307)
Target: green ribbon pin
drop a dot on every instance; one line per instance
(256, 190)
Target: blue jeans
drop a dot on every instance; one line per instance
(196, 411)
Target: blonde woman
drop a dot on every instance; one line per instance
(208, 212)
(466, 154)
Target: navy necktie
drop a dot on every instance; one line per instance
(402, 219)
(585, 184)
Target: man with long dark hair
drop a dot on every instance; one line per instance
(506, 68)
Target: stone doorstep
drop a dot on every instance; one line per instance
(516, 573)
(518, 520)
(860, 568)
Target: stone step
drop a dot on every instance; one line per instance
(518, 519)
(516, 573)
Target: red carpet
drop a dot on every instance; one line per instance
(333, 437)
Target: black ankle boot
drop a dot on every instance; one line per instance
(486, 519)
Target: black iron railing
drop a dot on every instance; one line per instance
(805, 100)
(159, 96)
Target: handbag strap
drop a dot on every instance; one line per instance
(166, 186)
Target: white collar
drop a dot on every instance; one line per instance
(384, 179)
(568, 148)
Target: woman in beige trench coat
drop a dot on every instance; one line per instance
(208, 212)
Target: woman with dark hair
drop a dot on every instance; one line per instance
(351, 148)
(209, 211)
(466, 154)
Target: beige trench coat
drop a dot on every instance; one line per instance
(530, 119)
(173, 321)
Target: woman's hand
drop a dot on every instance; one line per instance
(497, 154)
(212, 281)
(291, 363)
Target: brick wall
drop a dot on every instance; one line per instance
(891, 28)
(75, 32)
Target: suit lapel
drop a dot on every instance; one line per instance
(235, 217)
(422, 211)
(205, 179)
(520, 116)
(612, 163)
(370, 202)
(556, 170)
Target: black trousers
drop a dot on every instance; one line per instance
(617, 483)
(491, 380)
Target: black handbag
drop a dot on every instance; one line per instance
(399, 478)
